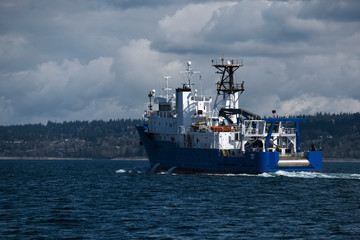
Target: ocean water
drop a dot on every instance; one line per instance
(104, 199)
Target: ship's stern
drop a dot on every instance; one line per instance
(272, 162)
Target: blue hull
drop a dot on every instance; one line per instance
(165, 155)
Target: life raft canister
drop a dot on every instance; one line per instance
(222, 129)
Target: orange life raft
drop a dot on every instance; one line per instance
(223, 129)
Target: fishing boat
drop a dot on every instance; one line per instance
(190, 133)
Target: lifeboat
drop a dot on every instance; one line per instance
(223, 129)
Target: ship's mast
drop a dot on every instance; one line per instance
(226, 87)
(151, 95)
(167, 89)
(188, 74)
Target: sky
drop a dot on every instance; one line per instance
(67, 60)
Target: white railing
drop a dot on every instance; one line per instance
(289, 130)
(223, 61)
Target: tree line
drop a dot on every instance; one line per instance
(337, 134)
(74, 139)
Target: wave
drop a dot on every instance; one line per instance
(312, 175)
(308, 175)
(290, 175)
(132, 170)
(298, 175)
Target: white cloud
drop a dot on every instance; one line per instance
(186, 28)
(106, 87)
(311, 104)
(55, 91)
(139, 69)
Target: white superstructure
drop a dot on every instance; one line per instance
(191, 121)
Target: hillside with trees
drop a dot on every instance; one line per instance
(78, 139)
(337, 134)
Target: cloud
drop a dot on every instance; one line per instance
(55, 91)
(251, 28)
(271, 82)
(332, 10)
(12, 46)
(57, 30)
(13, 49)
(139, 69)
(306, 103)
(312, 104)
(103, 88)
(183, 31)
(75, 60)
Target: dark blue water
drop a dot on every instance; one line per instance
(106, 199)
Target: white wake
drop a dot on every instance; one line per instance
(313, 175)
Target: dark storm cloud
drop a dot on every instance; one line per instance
(342, 10)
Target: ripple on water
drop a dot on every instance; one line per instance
(121, 200)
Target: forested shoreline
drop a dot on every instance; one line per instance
(337, 134)
(77, 139)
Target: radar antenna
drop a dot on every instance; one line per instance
(189, 73)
